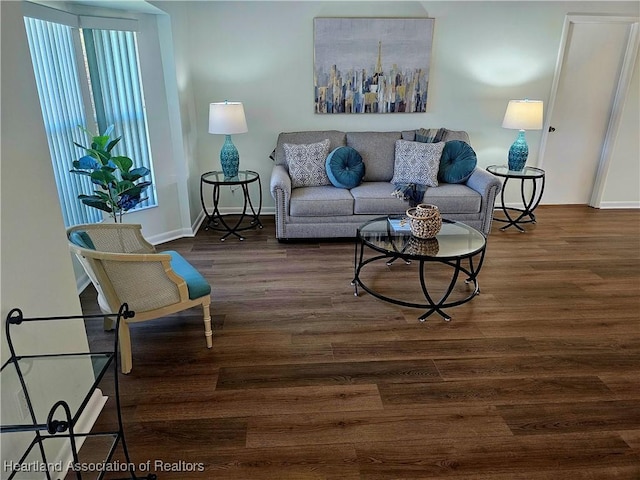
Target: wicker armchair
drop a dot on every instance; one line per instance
(124, 267)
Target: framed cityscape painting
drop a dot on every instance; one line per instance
(372, 65)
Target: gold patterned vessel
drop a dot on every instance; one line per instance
(422, 246)
(425, 220)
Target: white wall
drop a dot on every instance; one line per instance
(172, 218)
(622, 187)
(35, 262)
(261, 53)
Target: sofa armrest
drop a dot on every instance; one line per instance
(280, 188)
(488, 186)
(280, 181)
(482, 182)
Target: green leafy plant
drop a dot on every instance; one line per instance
(113, 177)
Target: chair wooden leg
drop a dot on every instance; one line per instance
(208, 333)
(124, 344)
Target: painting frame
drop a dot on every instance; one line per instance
(371, 64)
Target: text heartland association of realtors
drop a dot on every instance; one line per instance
(115, 466)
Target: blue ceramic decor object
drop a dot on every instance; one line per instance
(518, 153)
(229, 158)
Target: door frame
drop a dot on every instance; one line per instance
(622, 88)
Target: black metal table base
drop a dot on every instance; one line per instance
(530, 203)
(431, 305)
(248, 219)
(516, 221)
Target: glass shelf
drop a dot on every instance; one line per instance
(86, 370)
(44, 436)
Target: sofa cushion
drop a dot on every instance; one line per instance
(417, 162)
(196, 283)
(455, 135)
(409, 135)
(377, 150)
(335, 137)
(453, 198)
(345, 167)
(457, 162)
(376, 198)
(306, 163)
(326, 201)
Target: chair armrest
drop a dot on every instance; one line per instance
(145, 281)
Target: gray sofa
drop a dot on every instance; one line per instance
(328, 211)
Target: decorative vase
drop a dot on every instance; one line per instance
(425, 220)
(518, 153)
(229, 158)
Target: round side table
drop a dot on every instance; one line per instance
(530, 200)
(215, 219)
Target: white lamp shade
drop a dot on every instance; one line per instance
(227, 118)
(523, 115)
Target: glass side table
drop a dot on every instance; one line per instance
(220, 222)
(530, 199)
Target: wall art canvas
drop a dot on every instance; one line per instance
(372, 65)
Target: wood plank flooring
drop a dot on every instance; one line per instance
(536, 378)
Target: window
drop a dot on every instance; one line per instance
(87, 77)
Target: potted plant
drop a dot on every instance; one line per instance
(113, 177)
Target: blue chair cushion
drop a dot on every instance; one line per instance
(82, 239)
(345, 167)
(196, 283)
(457, 162)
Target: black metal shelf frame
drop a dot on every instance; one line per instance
(61, 420)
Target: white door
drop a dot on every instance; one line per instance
(587, 95)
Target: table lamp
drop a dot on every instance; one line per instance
(227, 118)
(521, 115)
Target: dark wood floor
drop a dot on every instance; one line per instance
(536, 378)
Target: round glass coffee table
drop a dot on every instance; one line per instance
(457, 246)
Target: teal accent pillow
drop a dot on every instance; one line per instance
(345, 167)
(457, 162)
(196, 283)
(82, 239)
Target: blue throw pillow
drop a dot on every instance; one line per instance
(345, 167)
(82, 239)
(457, 162)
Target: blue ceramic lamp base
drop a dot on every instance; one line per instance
(229, 158)
(518, 153)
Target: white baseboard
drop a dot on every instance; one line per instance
(609, 205)
(168, 236)
(86, 421)
(238, 210)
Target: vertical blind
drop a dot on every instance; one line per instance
(54, 65)
(113, 75)
(118, 95)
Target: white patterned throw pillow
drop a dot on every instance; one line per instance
(306, 163)
(417, 162)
